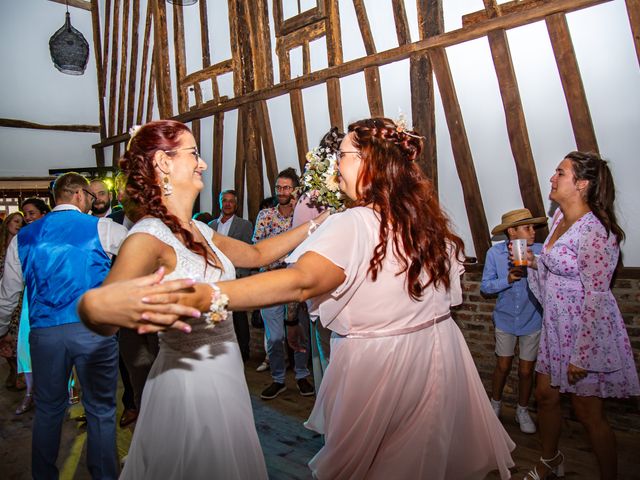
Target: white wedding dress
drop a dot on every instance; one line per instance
(196, 420)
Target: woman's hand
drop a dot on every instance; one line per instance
(126, 304)
(575, 374)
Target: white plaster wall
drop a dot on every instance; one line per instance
(34, 90)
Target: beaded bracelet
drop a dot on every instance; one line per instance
(313, 226)
(218, 309)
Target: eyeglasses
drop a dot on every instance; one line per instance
(283, 188)
(90, 194)
(195, 152)
(342, 153)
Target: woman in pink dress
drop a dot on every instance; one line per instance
(401, 397)
(584, 347)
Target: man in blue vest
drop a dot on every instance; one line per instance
(59, 258)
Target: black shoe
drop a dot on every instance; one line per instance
(305, 388)
(273, 390)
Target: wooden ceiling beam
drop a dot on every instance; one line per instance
(82, 4)
(339, 70)
(12, 123)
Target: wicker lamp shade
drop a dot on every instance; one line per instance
(69, 49)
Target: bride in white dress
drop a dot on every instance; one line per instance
(196, 420)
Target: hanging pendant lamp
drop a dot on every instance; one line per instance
(183, 2)
(69, 49)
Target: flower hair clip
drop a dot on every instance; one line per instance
(401, 126)
(133, 131)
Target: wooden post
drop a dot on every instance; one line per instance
(462, 154)
(133, 65)
(241, 157)
(114, 68)
(124, 42)
(145, 61)
(216, 160)
(97, 50)
(161, 51)
(299, 125)
(430, 24)
(180, 56)
(334, 57)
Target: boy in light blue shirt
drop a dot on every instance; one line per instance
(517, 315)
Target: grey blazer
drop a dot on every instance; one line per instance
(240, 229)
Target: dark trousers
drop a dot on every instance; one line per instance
(138, 352)
(54, 352)
(128, 398)
(241, 327)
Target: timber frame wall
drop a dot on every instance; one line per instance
(253, 81)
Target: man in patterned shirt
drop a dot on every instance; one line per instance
(272, 222)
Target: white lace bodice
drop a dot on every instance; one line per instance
(192, 265)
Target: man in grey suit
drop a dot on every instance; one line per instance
(235, 227)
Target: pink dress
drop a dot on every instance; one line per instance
(582, 324)
(401, 397)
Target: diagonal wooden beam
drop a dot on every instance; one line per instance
(517, 126)
(633, 11)
(462, 154)
(402, 24)
(572, 85)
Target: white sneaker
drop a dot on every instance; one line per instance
(264, 366)
(523, 418)
(496, 405)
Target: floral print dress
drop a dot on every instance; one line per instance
(582, 324)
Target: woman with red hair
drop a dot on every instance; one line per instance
(401, 397)
(195, 417)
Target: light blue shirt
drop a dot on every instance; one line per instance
(517, 311)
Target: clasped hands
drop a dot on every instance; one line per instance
(143, 304)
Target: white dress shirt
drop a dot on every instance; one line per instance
(111, 236)
(223, 228)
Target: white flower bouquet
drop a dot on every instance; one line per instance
(320, 179)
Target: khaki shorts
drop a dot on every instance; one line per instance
(506, 345)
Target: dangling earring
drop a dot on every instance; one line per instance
(167, 188)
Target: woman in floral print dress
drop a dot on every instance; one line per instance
(584, 347)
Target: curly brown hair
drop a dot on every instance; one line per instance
(143, 188)
(410, 213)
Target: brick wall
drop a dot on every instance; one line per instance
(474, 319)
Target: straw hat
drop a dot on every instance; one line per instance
(515, 218)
